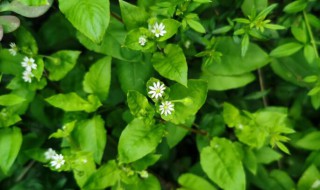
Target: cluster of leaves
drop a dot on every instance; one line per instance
(242, 78)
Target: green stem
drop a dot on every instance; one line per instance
(313, 42)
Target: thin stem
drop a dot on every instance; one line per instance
(25, 171)
(199, 132)
(262, 87)
(313, 42)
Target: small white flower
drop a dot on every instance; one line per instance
(27, 76)
(158, 29)
(316, 184)
(57, 161)
(166, 108)
(142, 40)
(13, 49)
(49, 154)
(156, 90)
(29, 64)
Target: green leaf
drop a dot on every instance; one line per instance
(133, 16)
(27, 11)
(225, 82)
(139, 105)
(10, 143)
(250, 160)
(34, 2)
(299, 34)
(281, 180)
(196, 25)
(91, 136)
(97, 79)
(194, 182)
(231, 115)
(267, 155)
(192, 99)
(171, 28)
(311, 79)
(245, 44)
(315, 101)
(176, 133)
(310, 176)
(8, 118)
(172, 64)
(40, 68)
(65, 131)
(138, 140)
(61, 63)
(73, 102)
(106, 176)
(309, 53)
(145, 184)
(221, 162)
(286, 49)
(83, 167)
(145, 162)
(311, 141)
(91, 18)
(112, 43)
(132, 40)
(295, 6)
(233, 62)
(9, 23)
(253, 6)
(10, 99)
(133, 75)
(26, 40)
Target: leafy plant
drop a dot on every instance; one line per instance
(164, 94)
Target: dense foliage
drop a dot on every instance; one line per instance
(162, 94)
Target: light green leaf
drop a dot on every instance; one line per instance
(91, 136)
(196, 25)
(83, 167)
(34, 2)
(73, 102)
(171, 28)
(194, 182)
(295, 6)
(222, 164)
(8, 118)
(311, 141)
(309, 53)
(250, 160)
(266, 155)
(231, 115)
(286, 49)
(10, 99)
(253, 6)
(10, 143)
(61, 63)
(27, 11)
(225, 82)
(106, 176)
(133, 75)
(145, 184)
(40, 68)
(146, 161)
(299, 34)
(133, 16)
(232, 61)
(97, 79)
(281, 180)
(112, 43)
(9, 23)
(245, 44)
(310, 176)
(139, 105)
(138, 140)
(172, 64)
(91, 18)
(192, 98)
(132, 40)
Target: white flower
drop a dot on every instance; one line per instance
(28, 63)
(316, 184)
(142, 40)
(156, 90)
(57, 161)
(27, 76)
(166, 108)
(49, 154)
(158, 29)
(13, 49)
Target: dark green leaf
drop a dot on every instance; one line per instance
(194, 182)
(133, 16)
